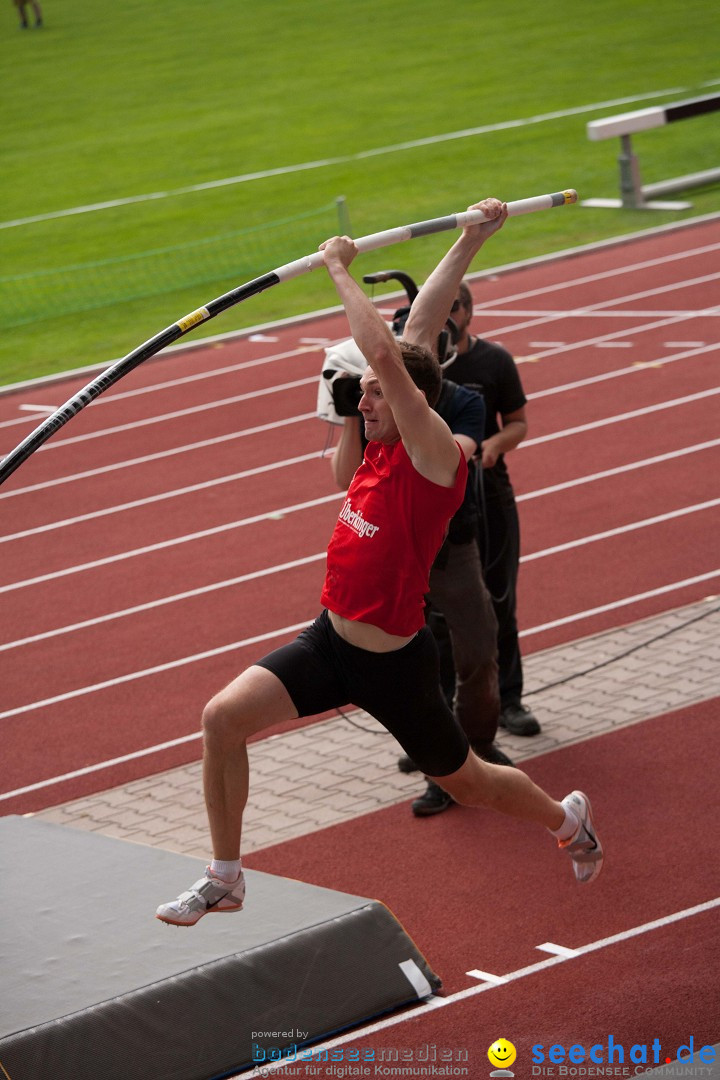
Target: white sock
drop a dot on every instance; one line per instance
(226, 871)
(569, 827)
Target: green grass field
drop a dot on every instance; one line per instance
(116, 101)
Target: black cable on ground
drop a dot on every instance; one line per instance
(575, 674)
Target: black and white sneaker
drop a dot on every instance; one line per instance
(207, 895)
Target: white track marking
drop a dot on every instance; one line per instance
(151, 605)
(620, 418)
(230, 436)
(635, 368)
(204, 485)
(113, 396)
(580, 481)
(655, 324)
(486, 977)
(215, 586)
(434, 1002)
(281, 567)
(171, 665)
(157, 669)
(597, 275)
(283, 511)
(570, 545)
(567, 432)
(189, 537)
(285, 170)
(544, 316)
(145, 459)
(662, 590)
(633, 526)
(178, 414)
(557, 950)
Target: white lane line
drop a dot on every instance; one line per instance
(115, 395)
(433, 1003)
(157, 669)
(620, 418)
(557, 950)
(436, 1002)
(486, 977)
(636, 367)
(580, 429)
(283, 511)
(621, 530)
(378, 151)
(601, 275)
(171, 665)
(93, 515)
(202, 534)
(151, 605)
(159, 455)
(544, 317)
(662, 590)
(178, 414)
(501, 332)
(580, 481)
(594, 313)
(318, 556)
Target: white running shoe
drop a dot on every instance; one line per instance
(583, 847)
(207, 895)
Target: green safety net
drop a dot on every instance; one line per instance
(227, 260)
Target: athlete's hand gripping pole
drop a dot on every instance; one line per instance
(372, 242)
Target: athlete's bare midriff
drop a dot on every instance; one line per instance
(366, 636)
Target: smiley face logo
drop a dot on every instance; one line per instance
(502, 1053)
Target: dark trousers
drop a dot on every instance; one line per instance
(500, 555)
(463, 623)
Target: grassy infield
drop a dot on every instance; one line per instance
(121, 99)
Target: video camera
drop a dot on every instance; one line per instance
(339, 391)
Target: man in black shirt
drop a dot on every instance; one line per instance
(491, 371)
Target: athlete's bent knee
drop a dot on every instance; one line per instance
(222, 723)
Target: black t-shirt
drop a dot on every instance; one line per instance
(491, 371)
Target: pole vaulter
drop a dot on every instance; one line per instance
(372, 242)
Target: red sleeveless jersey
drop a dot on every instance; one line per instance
(390, 528)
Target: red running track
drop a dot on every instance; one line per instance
(481, 893)
(175, 530)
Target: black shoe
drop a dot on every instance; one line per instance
(518, 720)
(488, 751)
(406, 764)
(434, 801)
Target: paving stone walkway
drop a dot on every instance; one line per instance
(344, 767)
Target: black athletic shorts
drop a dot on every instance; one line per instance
(401, 689)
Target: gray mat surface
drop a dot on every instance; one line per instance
(97, 987)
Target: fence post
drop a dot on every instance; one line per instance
(343, 216)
